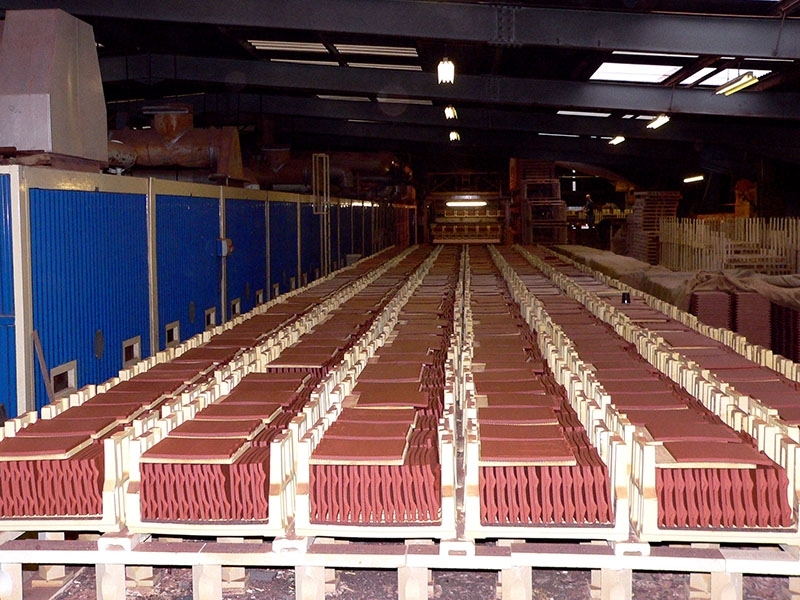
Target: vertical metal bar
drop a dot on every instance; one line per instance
(23, 290)
(152, 264)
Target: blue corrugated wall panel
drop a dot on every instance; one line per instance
(310, 230)
(369, 215)
(6, 257)
(336, 247)
(8, 385)
(8, 375)
(358, 230)
(189, 268)
(89, 272)
(346, 230)
(282, 243)
(246, 227)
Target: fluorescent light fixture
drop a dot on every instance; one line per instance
(617, 140)
(723, 76)
(465, 203)
(343, 98)
(446, 71)
(628, 116)
(388, 66)
(306, 61)
(581, 113)
(384, 100)
(661, 54)
(698, 75)
(566, 135)
(693, 179)
(455, 136)
(280, 46)
(634, 73)
(645, 117)
(450, 112)
(376, 50)
(660, 120)
(738, 84)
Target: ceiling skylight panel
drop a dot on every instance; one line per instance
(387, 100)
(393, 67)
(343, 98)
(634, 73)
(280, 46)
(725, 75)
(581, 113)
(306, 61)
(698, 75)
(564, 135)
(376, 50)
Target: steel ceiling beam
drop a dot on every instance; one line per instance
(502, 24)
(496, 121)
(488, 90)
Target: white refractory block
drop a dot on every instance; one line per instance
(51, 92)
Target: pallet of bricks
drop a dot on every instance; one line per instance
(648, 210)
(544, 212)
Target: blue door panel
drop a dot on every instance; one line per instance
(8, 374)
(358, 230)
(336, 249)
(282, 244)
(245, 224)
(310, 230)
(90, 281)
(189, 268)
(346, 231)
(369, 215)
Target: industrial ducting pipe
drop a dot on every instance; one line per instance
(174, 142)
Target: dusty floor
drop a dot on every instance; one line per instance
(354, 584)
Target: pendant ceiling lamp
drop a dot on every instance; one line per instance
(446, 71)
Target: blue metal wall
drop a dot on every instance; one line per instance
(89, 273)
(310, 231)
(282, 244)
(346, 230)
(8, 377)
(358, 229)
(369, 215)
(336, 245)
(246, 227)
(189, 268)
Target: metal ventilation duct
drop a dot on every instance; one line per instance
(51, 92)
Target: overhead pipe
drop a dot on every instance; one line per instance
(174, 142)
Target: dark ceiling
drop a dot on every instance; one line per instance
(517, 64)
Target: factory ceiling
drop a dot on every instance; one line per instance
(543, 80)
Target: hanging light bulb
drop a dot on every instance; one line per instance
(450, 112)
(446, 71)
(454, 136)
